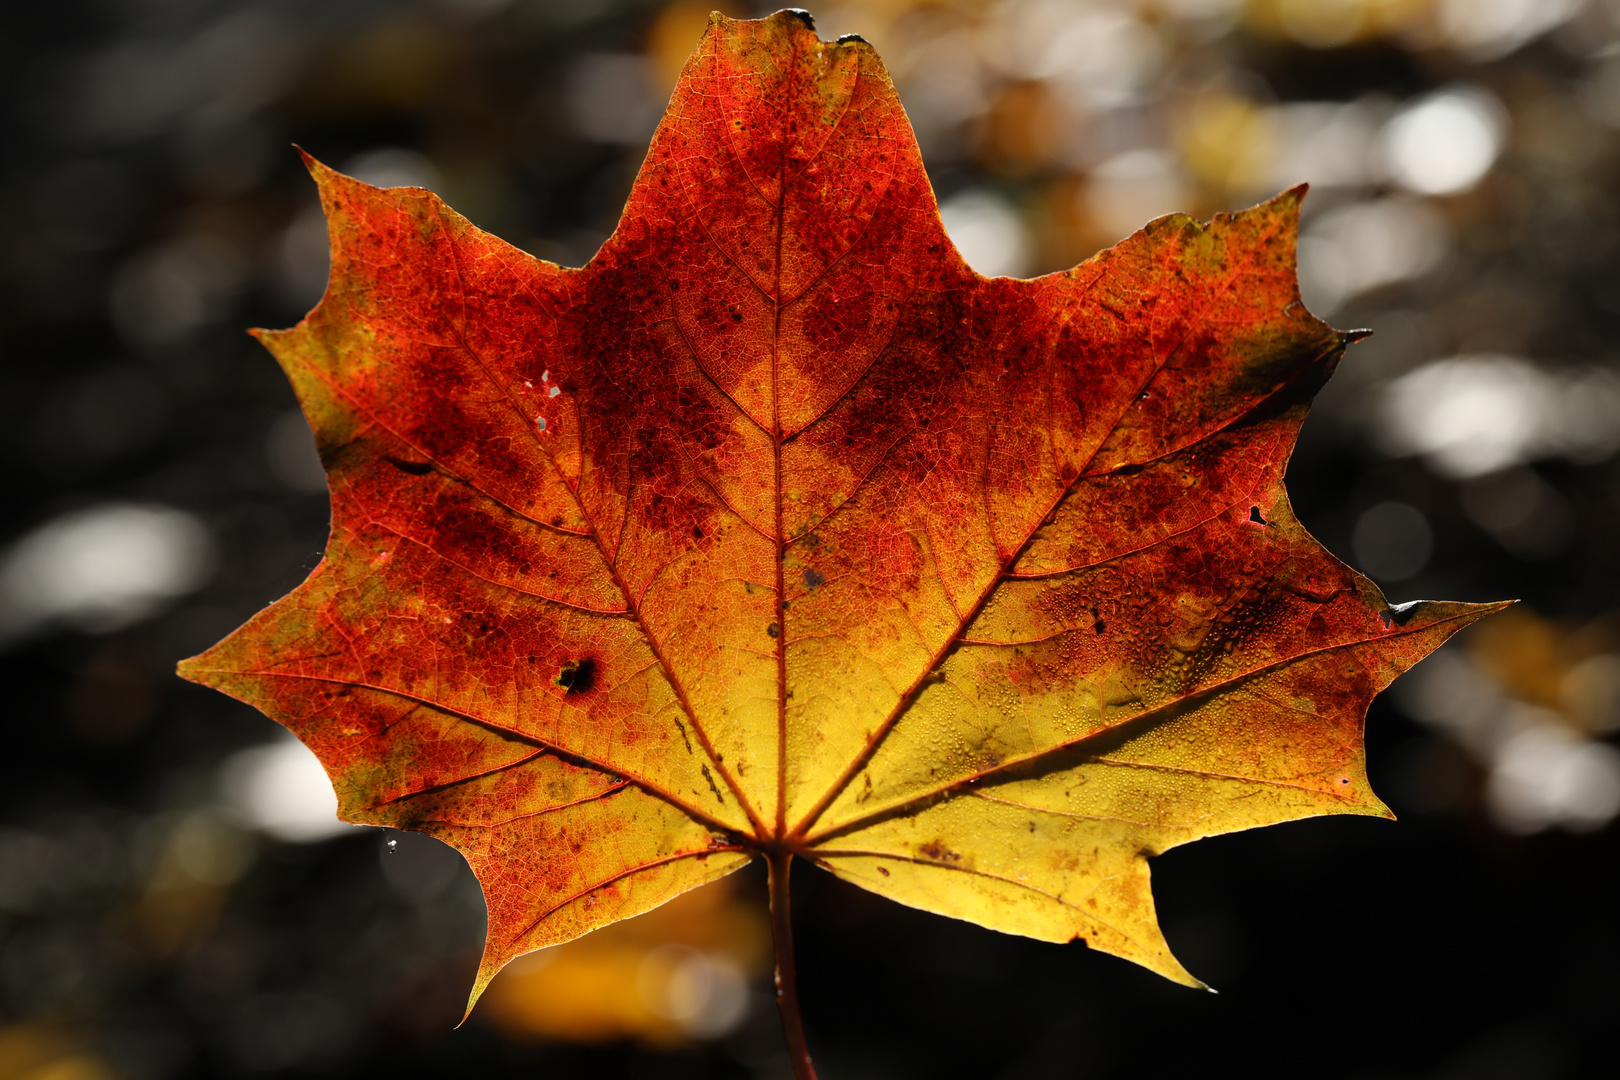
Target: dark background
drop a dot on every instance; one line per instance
(157, 922)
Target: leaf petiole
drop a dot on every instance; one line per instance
(787, 988)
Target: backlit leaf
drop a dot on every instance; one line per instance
(777, 528)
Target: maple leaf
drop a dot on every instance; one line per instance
(776, 530)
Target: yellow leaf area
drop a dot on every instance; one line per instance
(778, 530)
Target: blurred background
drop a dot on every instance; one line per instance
(176, 899)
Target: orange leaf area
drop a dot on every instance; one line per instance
(679, 972)
(777, 529)
(39, 1050)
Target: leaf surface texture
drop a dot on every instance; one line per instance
(776, 526)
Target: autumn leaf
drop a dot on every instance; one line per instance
(776, 530)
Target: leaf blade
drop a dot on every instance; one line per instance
(777, 528)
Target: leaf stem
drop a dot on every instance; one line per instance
(787, 985)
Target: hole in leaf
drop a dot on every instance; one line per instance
(1254, 516)
(577, 676)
